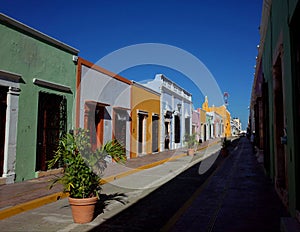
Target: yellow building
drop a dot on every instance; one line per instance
(145, 111)
(225, 114)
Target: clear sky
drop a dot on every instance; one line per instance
(223, 35)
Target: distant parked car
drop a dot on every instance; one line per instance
(242, 134)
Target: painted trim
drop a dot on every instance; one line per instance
(10, 143)
(88, 103)
(95, 67)
(120, 108)
(169, 91)
(145, 88)
(12, 77)
(164, 78)
(91, 107)
(52, 85)
(78, 94)
(142, 112)
(131, 126)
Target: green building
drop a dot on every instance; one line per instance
(37, 93)
(275, 101)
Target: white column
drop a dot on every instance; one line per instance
(11, 134)
(182, 121)
(172, 131)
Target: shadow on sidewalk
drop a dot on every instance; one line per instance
(106, 199)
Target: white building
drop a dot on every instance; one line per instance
(209, 125)
(217, 122)
(176, 112)
(236, 126)
(103, 104)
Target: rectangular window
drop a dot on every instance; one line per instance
(120, 123)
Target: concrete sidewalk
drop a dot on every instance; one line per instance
(20, 197)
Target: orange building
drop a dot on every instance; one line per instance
(225, 114)
(145, 111)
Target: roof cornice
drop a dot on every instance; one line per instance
(37, 34)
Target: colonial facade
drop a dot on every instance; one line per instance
(145, 120)
(217, 124)
(196, 124)
(175, 112)
(203, 134)
(275, 100)
(47, 90)
(103, 104)
(224, 113)
(209, 125)
(37, 90)
(236, 126)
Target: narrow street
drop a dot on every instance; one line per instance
(146, 199)
(180, 195)
(154, 210)
(233, 195)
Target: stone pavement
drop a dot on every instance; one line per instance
(238, 197)
(19, 197)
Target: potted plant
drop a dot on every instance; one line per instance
(224, 149)
(82, 169)
(191, 143)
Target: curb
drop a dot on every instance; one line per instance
(14, 210)
(11, 211)
(141, 168)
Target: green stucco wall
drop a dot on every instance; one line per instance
(278, 32)
(33, 58)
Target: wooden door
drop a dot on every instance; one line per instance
(177, 129)
(155, 133)
(140, 133)
(51, 124)
(93, 122)
(3, 105)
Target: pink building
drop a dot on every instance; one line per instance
(196, 124)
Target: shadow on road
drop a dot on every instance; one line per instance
(153, 211)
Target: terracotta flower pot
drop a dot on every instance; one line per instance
(224, 152)
(190, 152)
(83, 209)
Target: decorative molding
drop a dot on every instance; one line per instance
(52, 85)
(142, 112)
(10, 76)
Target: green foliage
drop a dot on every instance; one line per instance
(82, 165)
(190, 140)
(225, 143)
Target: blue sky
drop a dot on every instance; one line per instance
(223, 35)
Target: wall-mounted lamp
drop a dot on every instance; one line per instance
(179, 107)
